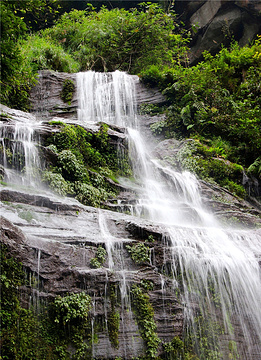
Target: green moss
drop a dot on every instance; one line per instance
(205, 162)
(113, 328)
(67, 91)
(113, 318)
(145, 318)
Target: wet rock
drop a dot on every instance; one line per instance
(59, 255)
(46, 101)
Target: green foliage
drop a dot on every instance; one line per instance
(205, 162)
(72, 168)
(174, 348)
(255, 168)
(84, 164)
(23, 335)
(72, 308)
(217, 98)
(90, 195)
(205, 335)
(99, 259)
(43, 54)
(67, 91)
(17, 75)
(113, 328)
(119, 39)
(139, 253)
(159, 127)
(57, 183)
(145, 318)
(113, 318)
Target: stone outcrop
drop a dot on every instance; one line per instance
(46, 101)
(219, 22)
(228, 208)
(59, 256)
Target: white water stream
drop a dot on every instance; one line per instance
(20, 156)
(216, 270)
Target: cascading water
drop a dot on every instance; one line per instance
(215, 270)
(20, 157)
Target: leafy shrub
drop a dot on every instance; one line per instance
(43, 54)
(71, 308)
(119, 39)
(217, 98)
(202, 161)
(90, 195)
(139, 253)
(99, 259)
(71, 167)
(57, 183)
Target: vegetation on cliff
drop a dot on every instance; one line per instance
(216, 102)
(83, 164)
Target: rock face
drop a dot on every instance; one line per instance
(46, 101)
(56, 239)
(228, 208)
(60, 256)
(219, 22)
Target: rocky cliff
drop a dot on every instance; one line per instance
(219, 22)
(56, 239)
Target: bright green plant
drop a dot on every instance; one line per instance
(99, 259)
(145, 318)
(43, 54)
(72, 168)
(71, 308)
(90, 195)
(202, 161)
(120, 39)
(216, 99)
(139, 253)
(57, 183)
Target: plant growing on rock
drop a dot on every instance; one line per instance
(145, 318)
(100, 257)
(139, 253)
(67, 91)
(71, 308)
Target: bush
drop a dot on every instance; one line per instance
(43, 54)
(72, 168)
(57, 183)
(71, 308)
(216, 99)
(139, 253)
(90, 195)
(118, 39)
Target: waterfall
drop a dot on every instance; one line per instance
(20, 157)
(216, 271)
